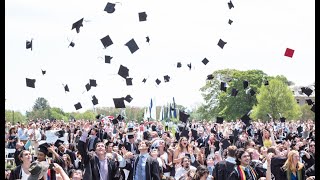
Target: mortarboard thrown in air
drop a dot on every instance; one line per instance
(78, 106)
(234, 92)
(147, 39)
(230, 21)
(71, 44)
(58, 143)
(230, 5)
(219, 120)
(289, 52)
(110, 8)
(158, 81)
(313, 108)
(245, 84)
(77, 25)
(178, 64)
(30, 82)
(107, 59)
(129, 81)
(93, 83)
(307, 91)
(183, 116)
(223, 86)
(246, 119)
(88, 87)
(205, 61)
(29, 44)
(282, 119)
(142, 16)
(123, 71)
(94, 100)
(43, 72)
(66, 88)
(251, 91)
(132, 45)
(119, 102)
(309, 101)
(266, 83)
(189, 65)
(128, 98)
(166, 78)
(59, 133)
(209, 77)
(221, 43)
(106, 41)
(144, 80)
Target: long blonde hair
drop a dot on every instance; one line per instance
(179, 145)
(288, 165)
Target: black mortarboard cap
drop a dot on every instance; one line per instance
(66, 88)
(184, 133)
(144, 80)
(219, 120)
(94, 100)
(205, 61)
(166, 78)
(106, 41)
(234, 92)
(78, 106)
(158, 81)
(147, 39)
(115, 121)
(128, 98)
(230, 5)
(132, 45)
(130, 136)
(142, 16)
(77, 25)
(120, 117)
(119, 102)
(189, 65)
(252, 92)
(266, 83)
(299, 129)
(43, 72)
(223, 87)
(221, 43)
(307, 91)
(246, 119)
(43, 148)
(245, 84)
(29, 44)
(209, 77)
(93, 82)
(183, 116)
(123, 71)
(71, 44)
(313, 108)
(59, 133)
(230, 21)
(282, 119)
(309, 101)
(178, 64)
(30, 82)
(88, 87)
(107, 59)
(110, 7)
(225, 143)
(58, 143)
(129, 81)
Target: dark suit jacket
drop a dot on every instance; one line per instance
(222, 170)
(96, 140)
(152, 168)
(91, 164)
(128, 147)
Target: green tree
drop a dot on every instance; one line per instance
(14, 117)
(306, 112)
(220, 103)
(89, 114)
(41, 104)
(57, 113)
(276, 99)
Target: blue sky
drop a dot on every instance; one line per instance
(179, 31)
